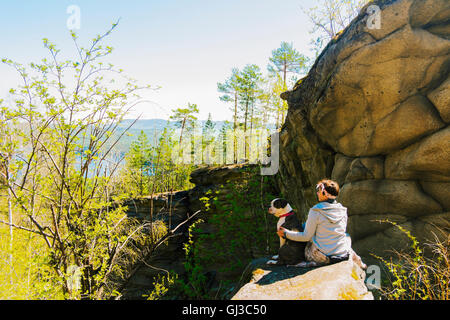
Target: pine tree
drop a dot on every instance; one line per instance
(224, 140)
(139, 161)
(185, 118)
(208, 140)
(249, 89)
(284, 60)
(230, 89)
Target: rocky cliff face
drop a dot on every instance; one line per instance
(373, 114)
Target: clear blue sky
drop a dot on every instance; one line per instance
(184, 46)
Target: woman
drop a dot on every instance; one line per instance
(325, 230)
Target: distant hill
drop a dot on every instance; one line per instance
(150, 128)
(158, 124)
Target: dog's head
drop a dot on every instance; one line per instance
(279, 207)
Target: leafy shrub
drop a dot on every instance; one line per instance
(416, 276)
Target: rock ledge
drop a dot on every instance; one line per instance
(341, 281)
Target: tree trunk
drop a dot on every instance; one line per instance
(182, 129)
(245, 130)
(10, 218)
(234, 129)
(251, 129)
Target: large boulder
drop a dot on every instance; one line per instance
(373, 114)
(387, 196)
(341, 281)
(426, 159)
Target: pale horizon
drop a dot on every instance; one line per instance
(186, 48)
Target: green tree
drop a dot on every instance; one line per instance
(230, 89)
(208, 133)
(280, 106)
(286, 59)
(249, 89)
(185, 118)
(140, 163)
(270, 102)
(224, 134)
(63, 122)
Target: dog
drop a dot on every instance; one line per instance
(290, 252)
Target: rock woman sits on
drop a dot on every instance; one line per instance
(325, 230)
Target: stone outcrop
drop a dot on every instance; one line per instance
(210, 179)
(173, 209)
(373, 114)
(341, 281)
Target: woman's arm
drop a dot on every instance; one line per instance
(307, 234)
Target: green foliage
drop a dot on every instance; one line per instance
(58, 165)
(256, 97)
(286, 59)
(195, 284)
(248, 81)
(152, 169)
(185, 118)
(243, 230)
(415, 276)
(162, 285)
(139, 154)
(139, 165)
(25, 272)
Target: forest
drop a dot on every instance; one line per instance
(69, 154)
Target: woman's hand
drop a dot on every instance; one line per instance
(281, 232)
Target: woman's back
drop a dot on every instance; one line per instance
(331, 223)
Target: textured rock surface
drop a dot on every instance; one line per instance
(210, 179)
(169, 207)
(373, 113)
(172, 208)
(341, 281)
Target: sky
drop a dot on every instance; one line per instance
(185, 47)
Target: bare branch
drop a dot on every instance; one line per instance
(27, 229)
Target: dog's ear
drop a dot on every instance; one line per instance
(280, 203)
